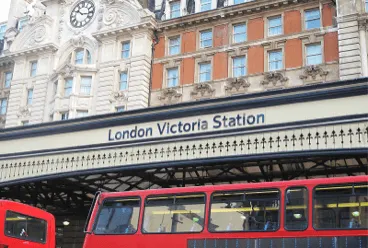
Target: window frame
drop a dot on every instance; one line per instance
(168, 78)
(30, 99)
(306, 53)
(269, 61)
(84, 86)
(269, 26)
(123, 50)
(199, 71)
(172, 4)
(5, 79)
(120, 81)
(33, 72)
(171, 46)
(307, 211)
(244, 190)
(313, 204)
(2, 100)
(33, 217)
(305, 18)
(207, 2)
(205, 219)
(2, 30)
(233, 32)
(117, 198)
(200, 38)
(119, 107)
(245, 65)
(81, 111)
(64, 113)
(65, 83)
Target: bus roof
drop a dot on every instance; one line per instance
(25, 209)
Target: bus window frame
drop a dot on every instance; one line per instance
(100, 209)
(313, 204)
(297, 187)
(19, 238)
(234, 191)
(179, 194)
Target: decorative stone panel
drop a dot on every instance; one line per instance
(313, 73)
(274, 80)
(202, 90)
(236, 85)
(170, 95)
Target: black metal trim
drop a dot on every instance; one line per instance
(255, 100)
(95, 199)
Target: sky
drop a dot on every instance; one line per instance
(4, 9)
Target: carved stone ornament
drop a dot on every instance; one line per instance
(236, 85)
(170, 95)
(108, 1)
(10, 34)
(66, 2)
(116, 16)
(274, 79)
(37, 36)
(312, 71)
(78, 41)
(202, 90)
(35, 10)
(363, 23)
(67, 71)
(24, 112)
(118, 96)
(2, 119)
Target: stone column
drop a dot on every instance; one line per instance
(363, 24)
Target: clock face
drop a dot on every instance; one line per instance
(82, 14)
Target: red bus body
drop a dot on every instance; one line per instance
(14, 216)
(207, 239)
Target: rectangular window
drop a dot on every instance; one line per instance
(275, 60)
(205, 5)
(79, 57)
(366, 5)
(174, 9)
(65, 116)
(312, 19)
(239, 68)
(33, 68)
(172, 77)
(82, 113)
(296, 212)
(25, 123)
(245, 211)
(68, 88)
(174, 45)
(125, 52)
(120, 109)
(2, 31)
(340, 206)
(29, 97)
(25, 227)
(174, 214)
(123, 84)
(8, 77)
(3, 106)
(22, 23)
(314, 54)
(240, 33)
(55, 87)
(205, 72)
(205, 39)
(274, 25)
(85, 85)
(118, 216)
(239, 1)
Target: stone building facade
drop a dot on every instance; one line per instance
(57, 64)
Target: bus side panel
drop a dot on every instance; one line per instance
(51, 234)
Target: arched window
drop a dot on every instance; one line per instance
(81, 56)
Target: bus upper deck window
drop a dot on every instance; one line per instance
(251, 210)
(118, 216)
(174, 214)
(25, 227)
(342, 206)
(296, 212)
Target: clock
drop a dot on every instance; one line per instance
(82, 14)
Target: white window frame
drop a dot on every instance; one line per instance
(172, 4)
(122, 82)
(205, 72)
(81, 113)
(33, 71)
(125, 51)
(3, 106)
(170, 46)
(269, 19)
(79, 61)
(273, 61)
(25, 123)
(306, 21)
(21, 23)
(68, 93)
(120, 108)
(168, 78)
(240, 33)
(29, 97)
(313, 55)
(202, 41)
(203, 3)
(237, 67)
(7, 82)
(66, 114)
(85, 89)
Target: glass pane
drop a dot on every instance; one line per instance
(296, 214)
(172, 76)
(174, 214)
(314, 60)
(240, 33)
(30, 97)
(314, 49)
(8, 78)
(254, 210)
(206, 39)
(25, 227)
(4, 103)
(126, 50)
(238, 1)
(86, 85)
(79, 57)
(123, 81)
(175, 10)
(205, 5)
(275, 30)
(341, 206)
(312, 19)
(118, 216)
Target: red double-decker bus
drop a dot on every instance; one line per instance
(328, 213)
(23, 226)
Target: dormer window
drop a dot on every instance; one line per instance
(81, 56)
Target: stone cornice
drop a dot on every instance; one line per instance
(226, 12)
(146, 23)
(33, 50)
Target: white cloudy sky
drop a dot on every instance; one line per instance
(4, 9)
